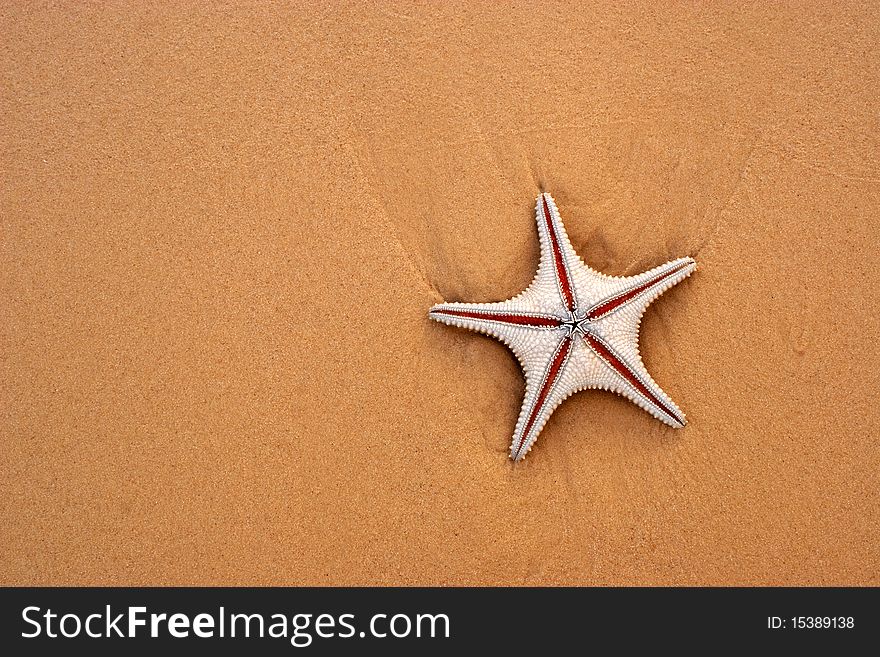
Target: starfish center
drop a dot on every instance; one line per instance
(577, 323)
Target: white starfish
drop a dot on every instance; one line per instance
(572, 329)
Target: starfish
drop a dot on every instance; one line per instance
(572, 329)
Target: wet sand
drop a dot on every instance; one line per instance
(222, 229)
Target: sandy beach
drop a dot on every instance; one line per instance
(222, 228)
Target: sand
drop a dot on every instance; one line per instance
(222, 229)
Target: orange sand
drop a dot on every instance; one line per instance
(222, 229)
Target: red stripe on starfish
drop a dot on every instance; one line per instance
(559, 260)
(605, 307)
(604, 352)
(550, 379)
(518, 319)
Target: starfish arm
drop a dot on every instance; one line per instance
(492, 318)
(588, 286)
(635, 293)
(559, 262)
(525, 328)
(631, 379)
(545, 390)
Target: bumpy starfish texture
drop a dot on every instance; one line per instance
(572, 329)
